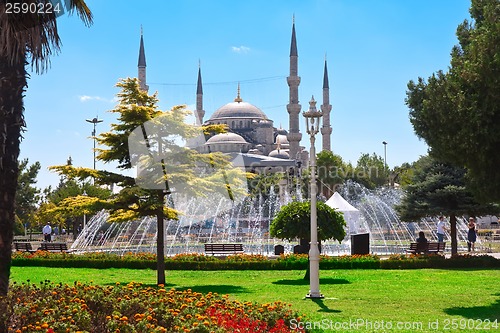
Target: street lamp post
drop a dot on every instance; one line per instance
(385, 156)
(94, 121)
(313, 118)
(84, 214)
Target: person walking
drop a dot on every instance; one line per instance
(441, 229)
(471, 234)
(47, 232)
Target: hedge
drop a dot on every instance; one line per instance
(249, 262)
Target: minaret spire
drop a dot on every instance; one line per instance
(293, 106)
(200, 113)
(326, 108)
(141, 65)
(238, 98)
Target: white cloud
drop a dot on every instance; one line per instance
(240, 49)
(86, 98)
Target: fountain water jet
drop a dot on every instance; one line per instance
(248, 223)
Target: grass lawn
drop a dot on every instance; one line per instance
(421, 300)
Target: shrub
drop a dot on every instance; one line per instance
(195, 261)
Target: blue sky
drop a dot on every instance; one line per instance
(373, 49)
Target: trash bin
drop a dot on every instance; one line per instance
(360, 244)
(297, 249)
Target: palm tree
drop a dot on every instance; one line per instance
(29, 38)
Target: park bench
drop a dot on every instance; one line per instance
(23, 247)
(54, 247)
(426, 248)
(223, 248)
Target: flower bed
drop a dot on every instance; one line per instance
(52, 308)
(195, 261)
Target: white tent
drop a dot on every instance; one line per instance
(351, 214)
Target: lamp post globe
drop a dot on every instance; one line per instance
(313, 117)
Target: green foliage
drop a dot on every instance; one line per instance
(136, 108)
(294, 220)
(370, 171)
(403, 174)
(332, 172)
(437, 188)
(27, 195)
(196, 261)
(458, 112)
(397, 261)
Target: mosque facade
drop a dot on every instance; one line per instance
(249, 131)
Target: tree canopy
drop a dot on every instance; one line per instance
(458, 112)
(439, 188)
(150, 140)
(294, 221)
(27, 195)
(332, 172)
(371, 171)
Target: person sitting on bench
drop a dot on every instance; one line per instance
(422, 243)
(421, 238)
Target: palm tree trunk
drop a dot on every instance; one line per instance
(12, 87)
(160, 240)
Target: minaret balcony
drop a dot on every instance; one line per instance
(293, 80)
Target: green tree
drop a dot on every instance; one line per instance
(27, 195)
(148, 138)
(371, 171)
(439, 188)
(294, 221)
(403, 174)
(24, 38)
(332, 172)
(458, 112)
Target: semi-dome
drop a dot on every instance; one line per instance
(279, 153)
(226, 138)
(238, 110)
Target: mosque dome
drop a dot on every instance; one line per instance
(279, 153)
(238, 110)
(226, 138)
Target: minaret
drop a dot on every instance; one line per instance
(142, 66)
(200, 113)
(293, 106)
(326, 109)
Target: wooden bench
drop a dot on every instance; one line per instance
(223, 248)
(426, 248)
(54, 247)
(23, 247)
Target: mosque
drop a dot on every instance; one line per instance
(251, 134)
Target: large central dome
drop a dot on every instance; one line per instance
(238, 110)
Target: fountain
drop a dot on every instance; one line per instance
(248, 223)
